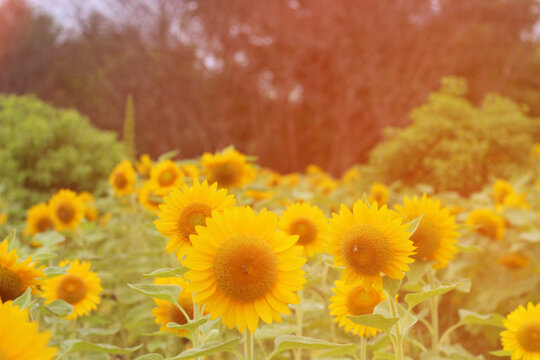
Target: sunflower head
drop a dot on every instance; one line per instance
(488, 223)
(242, 268)
(228, 168)
(39, 219)
(501, 189)
(123, 179)
(167, 175)
(378, 193)
(144, 166)
(90, 211)
(436, 235)
(369, 241)
(67, 210)
(150, 196)
(522, 334)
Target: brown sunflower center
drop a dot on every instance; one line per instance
(366, 249)
(361, 302)
(11, 285)
(529, 335)
(225, 174)
(65, 212)
(194, 214)
(44, 223)
(174, 314)
(120, 181)
(305, 229)
(72, 289)
(167, 177)
(245, 267)
(426, 238)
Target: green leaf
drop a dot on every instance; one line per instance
(379, 355)
(51, 271)
(470, 317)
(274, 330)
(190, 326)
(413, 224)
(71, 346)
(60, 308)
(167, 155)
(501, 353)
(49, 238)
(44, 255)
(168, 293)
(377, 321)
(150, 357)
(417, 269)
(24, 299)
(209, 348)
(416, 298)
(166, 272)
(288, 342)
(391, 286)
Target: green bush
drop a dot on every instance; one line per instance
(44, 149)
(453, 145)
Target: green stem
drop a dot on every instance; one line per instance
(248, 345)
(299, 323)
(195, 334)
(398, 346)
(449, 331)
(434, 301)
(363, 348)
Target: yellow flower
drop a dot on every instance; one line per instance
(522, 334)
(515, 200)
(353, 300)
(228, 168)
(167, 175)
(369, 241)
(123, 178)
(378, 193)
(259, 195)
(191, 170)
(151, 196)
(79, 286)
(90, 211)
(19, 338)
(242, 268)
(351, 175)
(3, 218)
(489, 223)
(514, 261)
(16, 276)
(501, 189)
(67, 210)
(187, 208)
(309, 223)
(166, 312)
(39, 219)
(144, 166)
(436, 235)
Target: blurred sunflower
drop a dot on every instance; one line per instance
(167, 175)
(309, 223)
(228, 168)
(38, 219)
(522, 334)
(516, 200)
(150, 196)
(378, 193)
(90, 211)
(123, 179)
(488, 223)
(242, 268)
(79, 286)
(259, 195)
(353, 300)
(166, 312)
(191, 170)
(514, 261)
(501, 189)
(19, 338)
(144, 166)
(16, 276)
(436, 235)
(185, 209)
(67, 210)
(369, 241)
(351, 175)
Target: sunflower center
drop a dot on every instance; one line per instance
(194, 214)
(305, 230)
(65, 212)
(167, 178)
(529, 335)
(120, 181)
(44, 223)
(366, 249)
(225, 174)
(361, 302)
(11, 285)
(72, 289)
(245, 267)
(175, 314)
(426, 238)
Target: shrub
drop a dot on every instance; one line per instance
(44, 149)
(453, 145)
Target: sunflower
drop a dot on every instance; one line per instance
(79, 287)
(352, 175)
(522, 334)
(501, 189)
(16, 276)
(90, 211)
(123, 178)
(436, 235)
(19, 338)
(488, 223)
(228, 168)
(165, 312)
(378, 193)
(185, 209)
(67, 210)
(144, 166)
(242, 268)
(167, 175)
(150, 196)
(38, 219)
(369, 241)
(516, 200)
(353, 300)
(191, 170)
(309, 223)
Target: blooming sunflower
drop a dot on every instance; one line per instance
(67, 210)
(167, 175)
(228, 168)
(16, 276)
(242, 268)
(151, 196)
(378, 193)
(19, 338)
(369, 241)
(144, 166)
(38, 219)
(90, 211)
(123, 178)
(309, 223)
(79, 287)
(353, 300)
(436, 235)
(501, 189)
(165, 312)
(488, 223)
(184, 209)
(522, 334)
